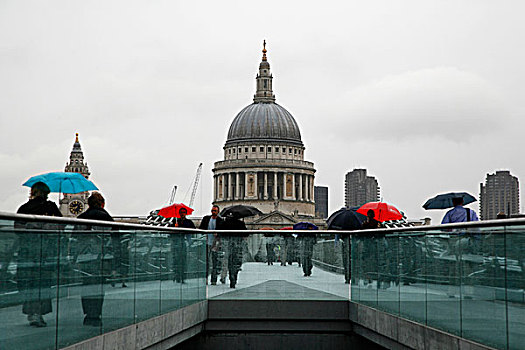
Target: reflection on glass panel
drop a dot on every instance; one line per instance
(413, 277)
(483, 282)
(283, 265)
(146, 274)
(443, 283)
(356, 267)
(515, 273)
(119, 285)
(30, 260)
(388, 274)
(171, 291)
(81, 289)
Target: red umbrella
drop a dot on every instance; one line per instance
(382, 211)
(173, 210)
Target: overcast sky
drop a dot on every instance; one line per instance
(427, 95)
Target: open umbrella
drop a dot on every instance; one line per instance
(444, 201)
(240, 211)
(345, 219)
(63, 182)
(305, 226)
(383, 211)
(172, 211)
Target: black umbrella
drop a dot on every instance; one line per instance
(345, 219)
(240, 211)
(444, 201)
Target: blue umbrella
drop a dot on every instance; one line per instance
(444, 201)
(63, 182)
(305, 226)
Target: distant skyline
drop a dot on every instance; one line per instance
(426, 95)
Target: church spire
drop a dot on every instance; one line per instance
(264, 92)
(76, 160)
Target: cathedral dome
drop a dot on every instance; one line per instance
(264, 121)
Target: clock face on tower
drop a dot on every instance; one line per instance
(76, 207)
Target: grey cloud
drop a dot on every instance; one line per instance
(442, 102)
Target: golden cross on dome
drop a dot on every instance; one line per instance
(77, 137)
(264, 50)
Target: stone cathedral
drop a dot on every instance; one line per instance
(264, 162)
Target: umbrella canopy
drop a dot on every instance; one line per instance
(383, 211)
(240, 211)
(444, 201)
(286, 228)
(172, 211)
(305, 226)
(63, 182)
(345, 219)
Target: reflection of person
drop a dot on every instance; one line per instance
(212, 222)
(460, 245)
(269, 240)
(234, 247)
(287, 249)
(179, 245)
(369, 247)
(459, 213)
(35, 277)
(308, 241)
(92, 289)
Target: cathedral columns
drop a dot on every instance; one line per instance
(223, 186)
(312, 188)
(307, 188)
(300, 187)
(214, 187)
(265, 185)
(245, 185)
(230, 187)
(294, 195)
(275, 185)
(237, 186)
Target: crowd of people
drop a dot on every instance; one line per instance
(224, 251)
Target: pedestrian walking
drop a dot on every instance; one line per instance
(34, 276)
(212, 222)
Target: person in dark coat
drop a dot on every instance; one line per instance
(231, 223)
(179, 245)
(373, 260)
(34, 276)
(370, 222)
(212, 222)
(92, 289)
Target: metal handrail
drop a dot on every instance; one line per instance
(413, 230)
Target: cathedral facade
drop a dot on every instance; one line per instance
(264, 162)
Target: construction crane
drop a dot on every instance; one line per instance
(172, 195)
(195, 185)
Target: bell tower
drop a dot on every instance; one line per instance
(73, 204)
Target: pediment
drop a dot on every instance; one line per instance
(275, 218)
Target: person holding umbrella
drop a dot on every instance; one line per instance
(35, 278)
(459, 213)
(179, 245)
(370, 223)
(345, 219)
